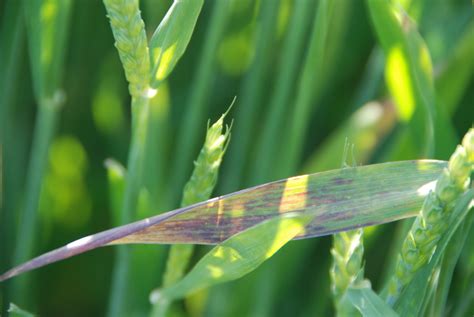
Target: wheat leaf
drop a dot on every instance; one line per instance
(338, 200)
(171, 38)
(239, 255)
(368, 302)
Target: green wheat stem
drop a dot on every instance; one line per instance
(117, 304)
(13, 34)
(430, 224)
(46, 77)
(130, 40)
(45, 125)
(198, 188)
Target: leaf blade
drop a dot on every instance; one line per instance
(171, 37)
(368, 302)
(240, 254)
(338, 200)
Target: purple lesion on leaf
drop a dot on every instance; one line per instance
(342, 181)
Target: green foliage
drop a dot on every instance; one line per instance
(367, 302)
(238, 255)
(414, 299)
(338, 200)
(194, 117)
(347, 252)
(172, 37)
(310, 85)
(16, 311)
(206, 167)
(431, 224)
(347, 263)
(47, 24)
(197, 189)
(306, 74)
(167, 46)
(409, 77)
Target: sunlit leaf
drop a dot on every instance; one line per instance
(409, 77)
(240, 254)
(336, 200)
(172, 37)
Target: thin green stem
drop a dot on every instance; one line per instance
(199, 188)
(13, 35)
(430, 224)
(46, 76)
(158, 135)
(45, 125)
(128, 29)
(140, 109)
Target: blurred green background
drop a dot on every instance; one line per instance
(300, 92)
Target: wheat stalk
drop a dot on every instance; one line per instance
(198, 188)
(431, 223)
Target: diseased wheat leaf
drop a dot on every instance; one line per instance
(337, 200)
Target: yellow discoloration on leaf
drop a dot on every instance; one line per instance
(294, 194)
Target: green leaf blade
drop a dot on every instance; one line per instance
(240, 254)
(409, 77)
(47, 22)
(368, 302)
(171, 38)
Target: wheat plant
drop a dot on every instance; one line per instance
(254, 232)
